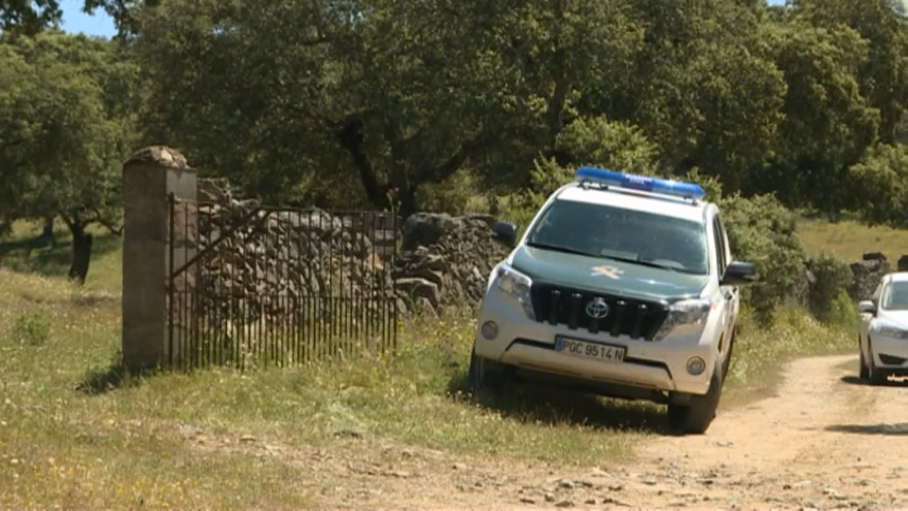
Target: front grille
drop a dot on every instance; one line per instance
(638, 319)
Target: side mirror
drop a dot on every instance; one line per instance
(867, 307)
(505, 232)
(739, 273)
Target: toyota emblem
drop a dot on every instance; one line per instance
(597, 308)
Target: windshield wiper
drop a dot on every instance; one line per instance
(644, 262)
(670, 268)
(637, 261)
(559, 248)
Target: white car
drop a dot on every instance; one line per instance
(623, 286)
(883, 331)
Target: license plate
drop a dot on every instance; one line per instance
(605, 352)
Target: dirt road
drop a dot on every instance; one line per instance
(824, 441)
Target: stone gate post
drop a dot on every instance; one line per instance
(149, 177)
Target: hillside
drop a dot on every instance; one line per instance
(851, 240)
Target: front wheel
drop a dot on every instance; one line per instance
(874, 374)
(485, 375)
(696, 417)
(865, 369)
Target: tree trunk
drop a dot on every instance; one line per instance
(48, 231)
(81, 245)
(408, 204)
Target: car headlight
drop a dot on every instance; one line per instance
(515, 284)
(891, 331)
(690, 312)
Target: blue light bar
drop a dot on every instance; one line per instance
(637, 182)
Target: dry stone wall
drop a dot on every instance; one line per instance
(273, 262)
(445, 261)
(867, 275)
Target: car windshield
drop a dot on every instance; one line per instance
(895, 296)
(635, 236)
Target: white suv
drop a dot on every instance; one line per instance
(622, 285)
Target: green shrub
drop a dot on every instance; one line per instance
(880, 185)
(763, 231)
(611, 144)
(32, 329)
(594, 142)
(831, 278)
(450, 196)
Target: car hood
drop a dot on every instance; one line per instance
(607, 275)
(897, 318)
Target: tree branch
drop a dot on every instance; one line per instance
(107, 224)
(351, 137)
(454, 162)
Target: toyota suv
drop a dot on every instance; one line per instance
(622, 285)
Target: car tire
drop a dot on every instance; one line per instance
(695, 417)
(485, 375)
(727, 364)
(865, 371)
(875, 376)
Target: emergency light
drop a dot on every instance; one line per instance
(605, 177)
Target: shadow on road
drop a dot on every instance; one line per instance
(854, 380)
(530, 403)
(870, 429)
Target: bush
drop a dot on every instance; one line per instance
(831, 278)
(32, 329)
(880, 185)
(594, 142)
(611, 144)
(763, 231)
(451, 196)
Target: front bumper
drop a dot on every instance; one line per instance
(653, 365)
(890, 354)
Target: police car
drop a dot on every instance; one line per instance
(622, 285)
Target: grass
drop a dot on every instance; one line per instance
(76, 431)
(760, 352)
(103, 272)
(851, 240)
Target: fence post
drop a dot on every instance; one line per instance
(149, 177)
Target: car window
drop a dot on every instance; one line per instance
(877, 292)
(895, 296)
(598, 230)
(720, 246)
(726, 248)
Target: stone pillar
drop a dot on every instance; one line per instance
(149, 177)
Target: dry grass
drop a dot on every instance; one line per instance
(851, 240)
(76, 432)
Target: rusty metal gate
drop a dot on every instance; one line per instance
(252, 284)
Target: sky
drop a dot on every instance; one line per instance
(100, 24)
(75, 21)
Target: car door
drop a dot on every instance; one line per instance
(729, 293)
